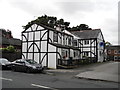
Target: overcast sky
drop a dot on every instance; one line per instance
(101, 14)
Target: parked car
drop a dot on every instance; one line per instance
(26, 65)
(5, 64)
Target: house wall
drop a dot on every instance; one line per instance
(113, 54)
(90, 47)
(100, 48)
(34, 44)
(52, 56)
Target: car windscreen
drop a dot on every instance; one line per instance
(31, 61)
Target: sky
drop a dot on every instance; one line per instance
(97, 14)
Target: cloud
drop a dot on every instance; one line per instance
(33, 7)
(96, 13)
(74, 7)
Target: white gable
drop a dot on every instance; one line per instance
(40, 27)
(34, 27)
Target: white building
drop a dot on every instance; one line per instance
(91, 44)
(54, 48)
(48, 46)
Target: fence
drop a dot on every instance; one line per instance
(74, 62)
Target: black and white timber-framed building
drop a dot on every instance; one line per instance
(53, 47)
(91, 44)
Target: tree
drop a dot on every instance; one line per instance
(10, 49)
(80, 27)
(108, 43)
(48, 21)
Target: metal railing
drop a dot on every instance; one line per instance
(76, 62)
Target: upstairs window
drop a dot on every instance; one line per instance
(86, 42)
(109, 51)
(75, 42)
(115, 51)
(119, 52)
(55, 37)
(69, 41)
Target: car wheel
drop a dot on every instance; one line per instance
(28, 70)
(13, 69)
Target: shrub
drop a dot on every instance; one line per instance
(8, 49)
(11, 48)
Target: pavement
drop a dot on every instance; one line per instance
(106, 71)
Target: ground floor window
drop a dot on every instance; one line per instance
(115, 57)
(76, 53)
(64, 53)
(109, 51)
(118, 57)
(86, 54)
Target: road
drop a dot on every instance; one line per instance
(52, 81)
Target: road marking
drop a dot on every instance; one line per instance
(43, 87)
(6, 79)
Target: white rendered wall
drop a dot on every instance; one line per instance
(36, 57)
(51, 35)
(100, 49)
(36, 53)
(52, 57)
(59, 39)
(44, 60)
(24, 47)
(71, 53)
(59, 50)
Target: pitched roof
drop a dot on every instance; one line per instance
(47, 27)
(86, 34)
(117, 47)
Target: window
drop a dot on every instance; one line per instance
(76, 53)
(75, 42)
(63, 40)
(64, 53)
(86, 53)
(69, 41)
(115, 58)
(119, 58)
(109, 51)
(119, 52)
(115, 51)
(86, 42)
(55, 37)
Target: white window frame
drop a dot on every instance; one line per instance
(109, 51)
(115, 51)
(118, 51)
(115, 58)
(75, 43)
